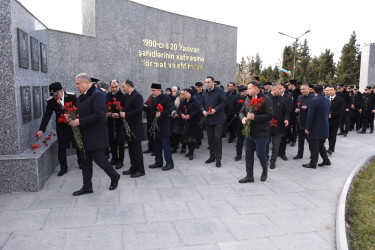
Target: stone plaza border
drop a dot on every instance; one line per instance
(341, 236)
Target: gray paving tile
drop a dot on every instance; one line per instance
(289, 201)
(202, 231)
(251, 226)
(153, 182)
(302, 241)
(143, 195)
(199, 169)
(256, 244)
(71, 217)
(197, 247)
(70, 186)
(22, 220)
(247, 189)
(250, 204)
(187, 180)
(16, 201)
(99, 198)
(120, 215)
(328, 235)
(150, 236)
(43, 239)
(210, 208)
(4, 237)
(220, 178)
(216, 191)
(53, 200)
(321, 198)
(107, 237)
(185, 193)
(166, 211)
(125, 182)
(287, 186)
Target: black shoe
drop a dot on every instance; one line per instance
(284, 157)
(137, 174)
(341, 133)
(230, 140)
(246, 179)
(147, 151)
(62, 172)
(155, 165)
(297, 157)
(346, 134)
(187, 154)
(272, 166)
(127, 172)
(361, 132)
(197, 146)
(237, 158)
(114, 184)
(324, 164)
(329, 152)
(191, 157)
(263, 177)
(211, 159)
(152, 154)
(183, 151)
(167, 167)
(293, 144)
(308, 165)
(82, 191)
(119, 165)
(218, 163)
(174, 151)
(113, 162)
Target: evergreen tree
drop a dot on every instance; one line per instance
(303, 60)
(347, 67)
(326, 67)
(242, 72)
(288, 61)
(312, 71)
(275, 75)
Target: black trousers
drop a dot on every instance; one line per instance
(345, 123)
(136, 157)
(317, 147)
(175, 140)
(355, 119)
(239, 145)
(301, 141)
(61, 154)
(232, 125)
(150, 139)
(117, 150)
(368, 122)
(101, 160)
(332, 138)
(284, 139)
(191, 147)
(214, 133)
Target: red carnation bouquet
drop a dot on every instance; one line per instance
(128, 131)
(71, 110)
(273, 123)
(253, 105)
(154, 126)
(203, 120)
(34, 147)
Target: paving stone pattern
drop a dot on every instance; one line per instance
(194, 206)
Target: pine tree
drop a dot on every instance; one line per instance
(275, 74)
(326, 67)
(347, 67)
(302, 62)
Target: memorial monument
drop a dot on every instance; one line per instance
(367, 76)
(121, 40)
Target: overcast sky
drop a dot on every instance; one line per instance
(331, 21)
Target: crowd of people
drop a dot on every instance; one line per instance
(263, 117)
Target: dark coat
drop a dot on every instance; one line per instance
(345, 96)
(115, 125)
(163, 120)
(260, 127)
(239, 104)
(63, 130)
(317, 117)
(294, 95)
(303, 101)
(337, 111)
(133, 107)
(280, 113)
(216, 100)
(191, 126)
(230, 102)
(147, 109)
(368, 104)
(93, 123)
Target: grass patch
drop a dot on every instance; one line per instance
(360, 212)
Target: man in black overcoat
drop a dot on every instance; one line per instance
(132, 112)
(94, 131)
(356, 103)
(367, 110)
(336, 112)
(64, 132)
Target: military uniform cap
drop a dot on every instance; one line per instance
(293, 81)
(267, 83)
(368, 87)
(54, 88)
(217, 82)
(94, 80)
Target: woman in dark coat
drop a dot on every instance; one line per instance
(189, 111)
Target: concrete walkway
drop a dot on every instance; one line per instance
(194, 206)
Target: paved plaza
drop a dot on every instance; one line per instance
(194, 206)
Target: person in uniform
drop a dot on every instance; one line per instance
(294, 92)
(240, 137)
(64, 132)
(92, 123)
(336, 112)
(344, 124)
(230, 111)
(356, 103)
(161, 137)
(116, 139)
(285, 135)
(198, 95)
(132, 112)
(367, 110)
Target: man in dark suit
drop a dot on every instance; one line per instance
(367, 110)
(303, 103)
(212, 107)
(285, 135)
(161, 137)
(294, 92)
(116, 140)
(64, 132)
(230, 110)
(356, 103)
(336, 112)
(317, 128)
(344, 124)
(93, 127)
(132, 112)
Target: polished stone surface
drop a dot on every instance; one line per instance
(194, 206)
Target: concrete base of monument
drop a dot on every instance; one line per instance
(28, 172)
